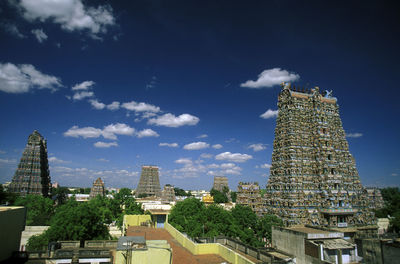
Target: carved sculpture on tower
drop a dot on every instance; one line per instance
(149, 183)
(313, 177)
(32, 175)
(97, 188)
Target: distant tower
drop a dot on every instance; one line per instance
(149, 183)
(97, 188)
(248, 194)
(168, 194)
(313, 177)
(220, 182)
(32, 175)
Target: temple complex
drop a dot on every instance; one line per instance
(220, 182)
(32, 175)
(248, 193)
(97, 188)
(149, 183)
(313, 177)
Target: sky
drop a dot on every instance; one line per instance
(191, 86)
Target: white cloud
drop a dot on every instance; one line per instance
(82, 95)
(24, 77)
(170, 120)
(101, 144)
(97, 105)
(2, 152)
(140, 107)
(265, 166)
(269, 114)
(113, 106)
(196, 146)
(171, 145)
(147, 133)
(270, 78)
(108, 132)
(258, 147)
(83, 85)
(72, 15)
(112, 130)
(354, 135)
(217, 146)
(39, 34)
(56, 160)
(183, 161)
(233, 157)
(103, 160)
(13, 30)
(203, 136)
(85, 132)
(8, 161)
(224, 169)
(206, 156)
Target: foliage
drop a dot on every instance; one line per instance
(37, 243)
(181, 192)
(391, 197)
(123, 203)
(219, 197)
(60, 194)
(192, 217)
(262, 192)
(233, 197)
(6, 197)
(143, 195)
(39, 209)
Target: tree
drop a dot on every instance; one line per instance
(219, 197)
(264, 227)
(37, 243)
(187, 217)
(246, 220)
(60, 194)
(391, 197)
(181, 192)
(233, 197)
(124, 203)
(39, 209)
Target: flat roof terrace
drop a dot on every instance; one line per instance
(180, 255)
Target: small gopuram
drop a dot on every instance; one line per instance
(313, 177)
(168, 193)
(149, 183)
(248, 193)
(97, 188)
(32, 175)
(220, 182)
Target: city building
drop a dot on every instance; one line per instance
(12, 222)
(248, 194)
(168, 193)
(97, 188)
(313, 177)
(220, 182)
(32, 175)
(149, 183)
(311, 245)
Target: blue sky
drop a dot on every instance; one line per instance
(191, 86)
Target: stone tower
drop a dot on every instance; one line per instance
(149, 183)
(313, 177)
(248, 193)
(97, 188)
(220, 182)
(168, 194)
(32, 175)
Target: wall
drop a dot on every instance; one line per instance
(31, 231)
(290, 241)
(135, 220)
(158, 252)
(207, 248)
(12, 223)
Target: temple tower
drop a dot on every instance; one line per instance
(248, 193)
(97, 188)
(168, 194)
(313, 177)
(32, 175)
(149, 183)
(220, 182)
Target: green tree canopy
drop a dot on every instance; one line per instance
(219, 197)
(39, 209)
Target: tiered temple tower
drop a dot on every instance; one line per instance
(248, 193)
(168, 194)
(220, 182)
(149, 183)
(32, 175)
(313, 177)
(97, 188)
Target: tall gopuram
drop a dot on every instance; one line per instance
(32, 175)
(149, 183)
(97, 188)
(313, 177)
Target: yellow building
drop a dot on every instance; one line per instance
(208, 199)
